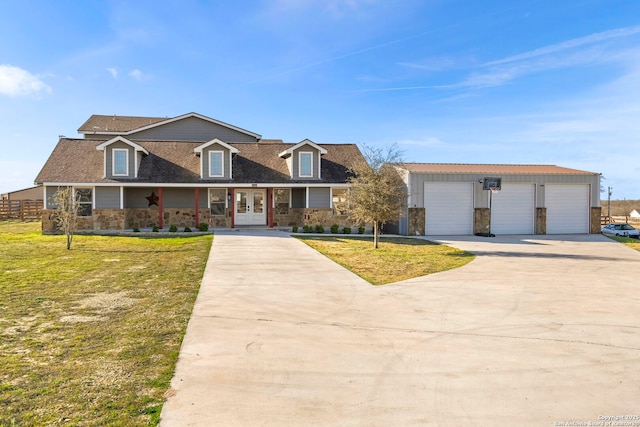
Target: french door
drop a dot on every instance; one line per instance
(250, 207)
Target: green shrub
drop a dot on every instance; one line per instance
(173, 228)
(136, 230)
(155, 229)
(346, 230)
(203, 226)
(360, 230)
(319, 229)
(295, 229)
(187, 230)
(307, 228)
(335, 228)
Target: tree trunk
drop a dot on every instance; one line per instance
(375, 234)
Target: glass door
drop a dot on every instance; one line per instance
(250, 207)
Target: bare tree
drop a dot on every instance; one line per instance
(377, 194)
(66, 211)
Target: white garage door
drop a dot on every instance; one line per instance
(513, 209)
(448, 208)
(567, 208)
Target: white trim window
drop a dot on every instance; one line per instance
(84, 199)
(305, 164)
(339, 201)
(120, 162)
(216, 164)
(218, 201)
(282, 201)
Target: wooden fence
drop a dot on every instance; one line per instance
(615, 218)
(23, 210)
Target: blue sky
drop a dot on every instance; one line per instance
(524, 82)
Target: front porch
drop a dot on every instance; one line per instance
(189, 207)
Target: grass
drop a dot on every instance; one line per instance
(90, 336)
(632, 243)
(395, 259)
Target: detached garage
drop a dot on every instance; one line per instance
(449, 199)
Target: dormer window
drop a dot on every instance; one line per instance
(121, 157)
(120, 162)
(305, 164)
(304, 160)
(216, 164)
(215, 159)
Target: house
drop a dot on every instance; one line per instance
(634, 214)
(31, 193)
(151, 171)
(454, 199)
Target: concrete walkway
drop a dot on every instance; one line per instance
(537, 330)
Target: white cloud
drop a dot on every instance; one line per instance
(138, 75)
(587, 50)
(570, 44)
(113, 72)
(15, 81)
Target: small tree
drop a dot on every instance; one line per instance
(377, 194)
(66, 212)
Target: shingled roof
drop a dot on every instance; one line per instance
(78, 161)
(100, 123)
(492, 169)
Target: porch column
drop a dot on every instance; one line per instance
(270, 206)
(160, 225)
(231, 208)
(197, 207)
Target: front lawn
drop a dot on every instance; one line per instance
(91, 336)
(396, 258)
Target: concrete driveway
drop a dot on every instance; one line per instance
(536, 331)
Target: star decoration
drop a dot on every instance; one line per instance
(153, 199)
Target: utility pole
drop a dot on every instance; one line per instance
(610, 191)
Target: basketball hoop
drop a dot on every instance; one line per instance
(494, 190)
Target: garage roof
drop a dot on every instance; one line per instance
(492, 169)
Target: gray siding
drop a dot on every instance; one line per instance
(135, 197)
(191, 129)
(107, 197)
(320, 197)
(171, 197)
(179, 198)
(314, 164)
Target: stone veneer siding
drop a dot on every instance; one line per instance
(311, 216)
(541, 221)
(102, 219)
(180, 217)
(416, 221)
(595, 220)
(481, 220)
